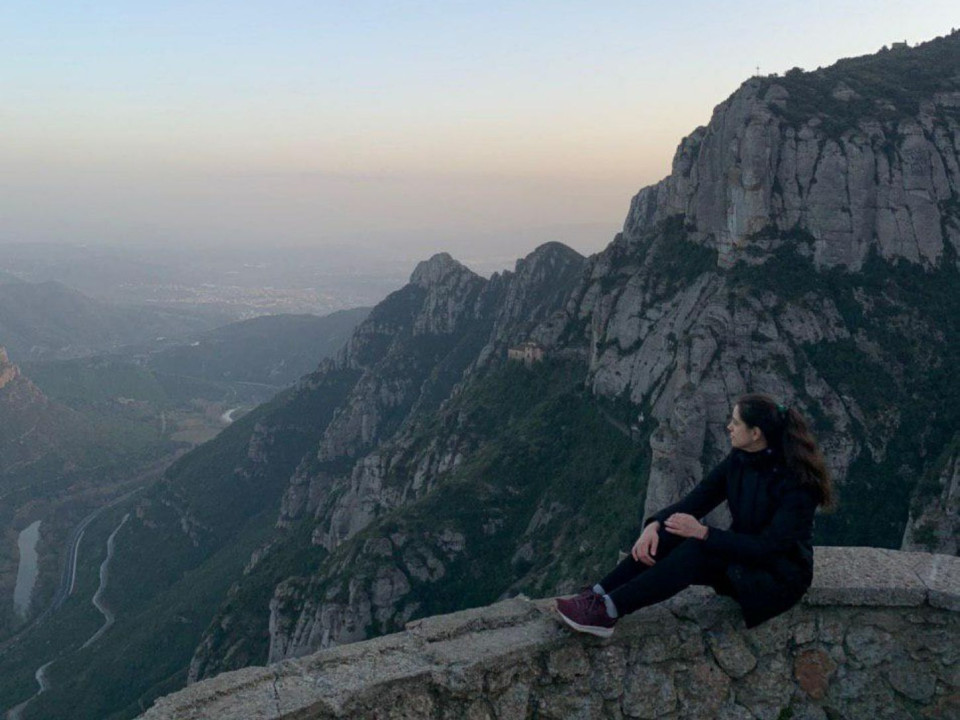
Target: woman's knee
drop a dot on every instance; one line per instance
(687, 550)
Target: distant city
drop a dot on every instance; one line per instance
(239, 283)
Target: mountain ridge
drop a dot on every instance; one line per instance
(437, 473)
(666, 319)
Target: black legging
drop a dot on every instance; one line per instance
(680, 562)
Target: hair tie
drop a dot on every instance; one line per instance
(782, 409)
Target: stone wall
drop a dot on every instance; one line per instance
(877, 636)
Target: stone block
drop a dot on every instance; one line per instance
(556, 706)
(766, 690)
(659, 648)
(771, 636)
(915, 680)
(946, 708)
(940, 575)
(609, 668)
(514, 703)
(830, 628)
(703, 606)
(805, 632)
(808, 712)
(478, 710)
(648, 692)
(568, 663)
(813, 669)
(703, 689)
(868, 645)
(732, 711)
(863, 576)
(731, 652)
(850, 684)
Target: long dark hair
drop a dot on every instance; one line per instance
(786, 430)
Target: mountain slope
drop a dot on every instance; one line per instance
(50, 321)
(54, 464)
(738, 272)
(273, 349)
(801, 246)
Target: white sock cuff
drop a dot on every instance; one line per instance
(611, 608)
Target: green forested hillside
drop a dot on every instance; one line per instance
(174, 563)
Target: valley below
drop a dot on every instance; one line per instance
(82, 440)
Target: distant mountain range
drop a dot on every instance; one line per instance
(240, 362)
(273, 349)
(805, 244)
(49, 321)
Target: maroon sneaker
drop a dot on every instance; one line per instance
(586, 613)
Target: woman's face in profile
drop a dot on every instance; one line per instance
(742, 436)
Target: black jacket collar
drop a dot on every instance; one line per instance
(762, 459)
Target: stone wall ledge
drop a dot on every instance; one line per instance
(877, 636)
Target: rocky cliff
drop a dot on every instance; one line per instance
(861, 155)
(33, 429)
(8, 371)
(390, 444)
(796, 249)
(805, 244)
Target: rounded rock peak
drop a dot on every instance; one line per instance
(433, 271)
(551, 252)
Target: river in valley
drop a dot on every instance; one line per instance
(27, 570)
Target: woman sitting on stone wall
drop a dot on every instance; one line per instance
(773, 480)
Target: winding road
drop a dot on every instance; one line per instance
(97, 601)
(68, 578)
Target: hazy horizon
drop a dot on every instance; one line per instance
(401, 128)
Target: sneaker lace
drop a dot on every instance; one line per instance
(593, 602)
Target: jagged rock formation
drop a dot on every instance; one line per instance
(31, 425)
(876, 636)
(773, 249)
(410, 354)
(804, 245)
(877, 181)
(8, 371)
(805, 248)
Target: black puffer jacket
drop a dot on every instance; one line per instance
(769, 544)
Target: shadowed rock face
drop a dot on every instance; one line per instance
(877, 634)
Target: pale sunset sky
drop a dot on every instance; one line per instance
(480, 128)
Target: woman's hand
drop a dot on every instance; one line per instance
(646, 545)
(685, 526)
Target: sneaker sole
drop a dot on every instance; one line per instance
(589, 629)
